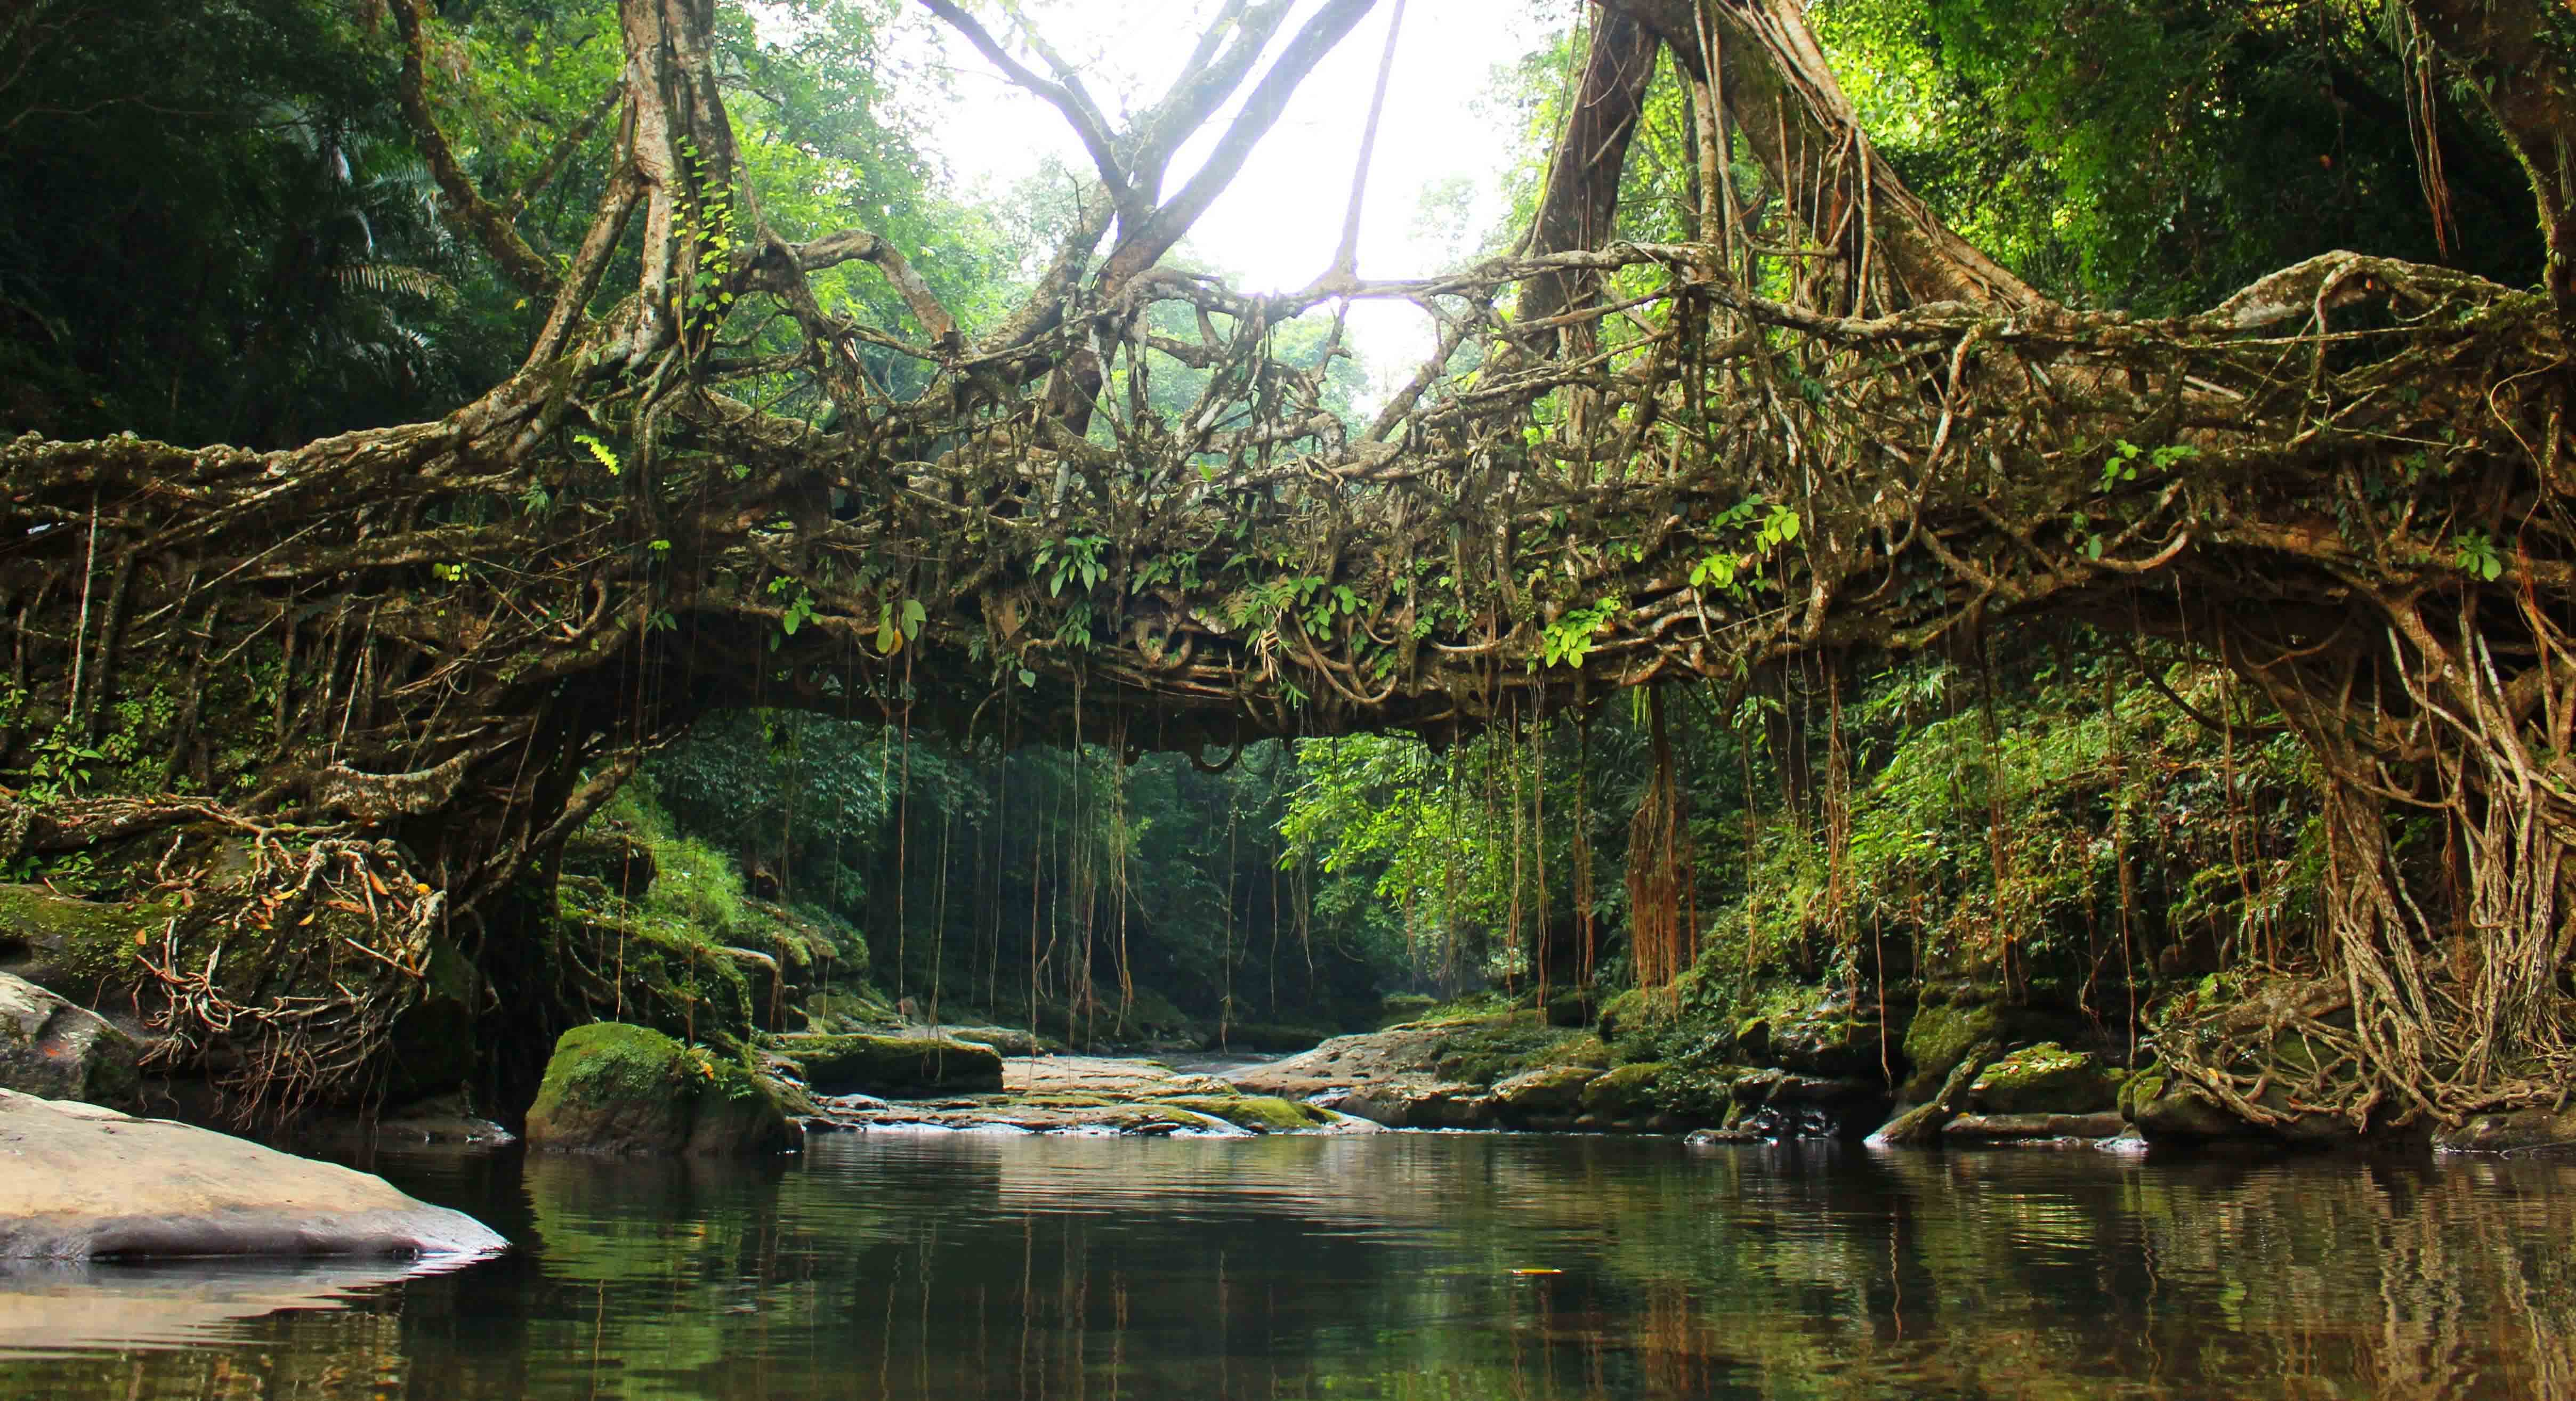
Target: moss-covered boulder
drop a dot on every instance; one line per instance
(1259, 1113)
(894, 1066)
(74, 947)
(1939, 1037)
(1626, 1095)
(613, 1088)
(1404, 1007)
(1839, 1033)
(2043, 1079)
(1550, 1091)
(1007, 1040)
(54, 1050)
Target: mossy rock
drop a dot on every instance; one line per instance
(1008, 1040)
(614, 1088)
(75, 948)
(1259, 1113)
(1549, 1090)
(1404, 1007)
(840, 1010)
(1939, 1037)
(2043, 1079)
(1626, 1094)
(894, 1066)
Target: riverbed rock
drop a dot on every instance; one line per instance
(1995, 1130)
(78, 1181)
(2520, 1131)
(1008, 1041)
(613, 1088)
(52, 1049)
(1256, 1113)
(1547, 1092)
(2043, 1079)
(1475, 1050)
(1624, 1096)
(894, 1066)
(1420, 1104)
(2169, 1109)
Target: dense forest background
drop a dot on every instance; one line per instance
(249, 249)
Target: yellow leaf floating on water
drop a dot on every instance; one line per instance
(1537, 1271)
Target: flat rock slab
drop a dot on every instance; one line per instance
(78, 1182)
(1101, 1075)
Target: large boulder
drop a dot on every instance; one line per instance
(896, 1066)
(78, 1181)
(1420, 1104)
(2043, 1079)
(613, 1088)
(75, 947)
(52, 1049)
(1547, 1093)
(2170, 1109)
(1941, 1036)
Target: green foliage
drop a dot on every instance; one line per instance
(2158, 154)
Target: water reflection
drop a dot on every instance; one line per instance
(1409, 1266)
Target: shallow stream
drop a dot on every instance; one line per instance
(1396, 1266)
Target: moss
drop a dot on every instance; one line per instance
(1625, 1094)
(2043, 1079)
(1403, 1007)
(73, 947)
(1572, 1050)
(2142, 1088)
(1698, 1097)
(893, 1065)
(843, 1009)
(1259, 1113)
(1494, 1046)
(615, 1088)
(1940, 1037)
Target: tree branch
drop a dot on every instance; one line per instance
(1075, 105)
(477, 217)
(1142, 247)
(859, 245)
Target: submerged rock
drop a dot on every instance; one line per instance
(894, 1065)
(83, 1182)
(1257, 1113)
(52, 1049)
(2521, 1131)
(613, 1088)
(1992, 1130)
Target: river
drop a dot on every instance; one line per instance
(914, 1265)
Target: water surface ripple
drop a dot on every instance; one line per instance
(1395, 1266)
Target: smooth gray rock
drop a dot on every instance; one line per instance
(52, 1049)
(79, 1182)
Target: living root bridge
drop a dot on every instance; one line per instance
(1126, 510)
